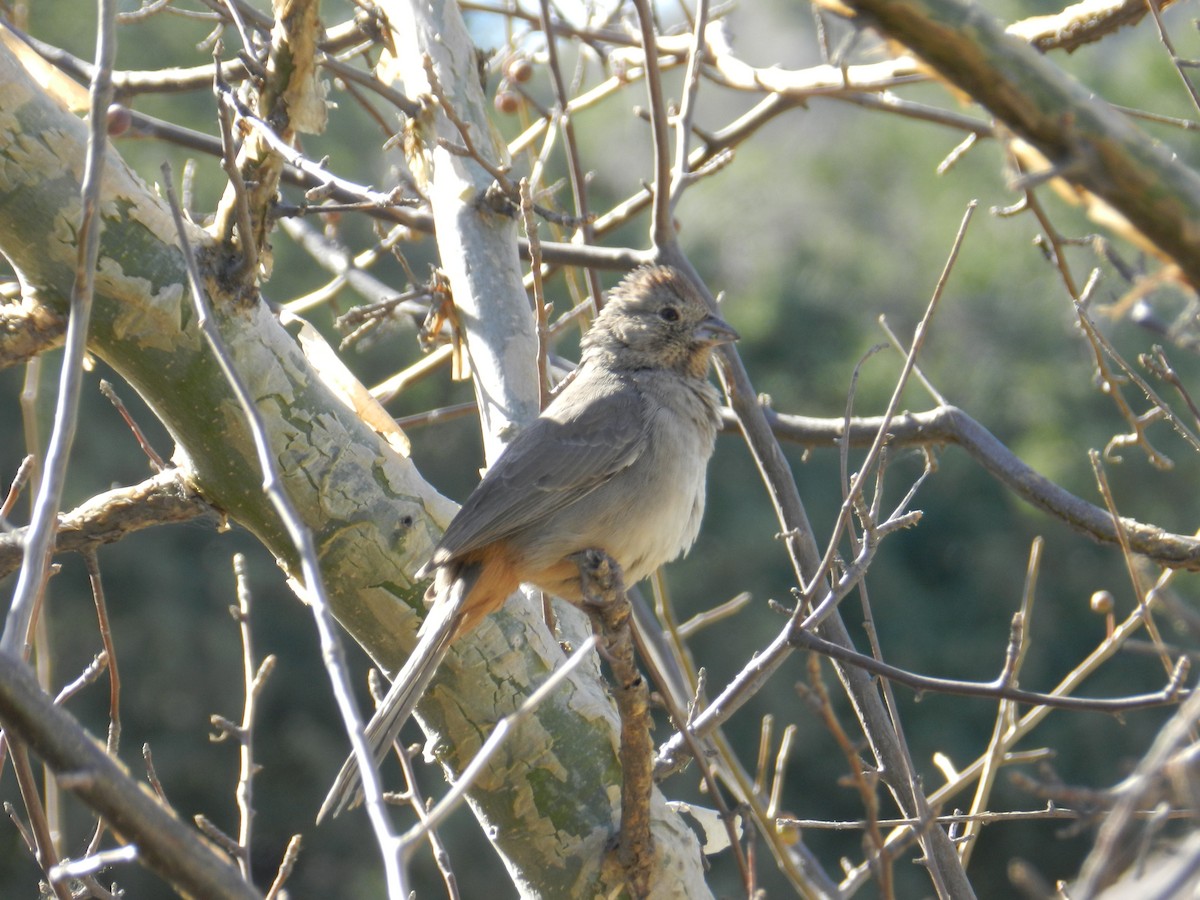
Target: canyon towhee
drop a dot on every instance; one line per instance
(615, 463)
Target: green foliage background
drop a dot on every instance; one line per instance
(830, 217)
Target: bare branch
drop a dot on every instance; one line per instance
(1084, 140)
(166, 845)
(27, 330)
(164, 499)
(45, 514)
(950, 425)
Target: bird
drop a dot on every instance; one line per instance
(616, 463)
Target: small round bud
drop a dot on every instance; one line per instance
(519, 69)
(788, 833)
(1102, 602)
(118, 119)
(507, 102)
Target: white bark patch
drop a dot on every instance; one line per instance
(32, 159)
(148, 318)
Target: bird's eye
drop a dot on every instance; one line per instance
(669, 314)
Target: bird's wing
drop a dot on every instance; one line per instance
(590, 433)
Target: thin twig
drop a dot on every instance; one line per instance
(22, 828)
(864, 780)
(562, 116)
(152, 776)
(235, 205)
(92, 863)
(866, 466)
(1050, 812)
(540, 307)
(45, 512)
(503, 728)
(1006, 713)
(1131, 566)
(156, 461)
(286, 865)
(114, 678)
(254, 678)
(24, 472)
(662, 228)
(894, 340)
(90, 675)
(469, 147)
(1159, 407)
(1169, 46)
(1170, 695)
(320, 181)
(46, 854)
(715, 615)
(781, 761)
(441, 856)
(687, 107)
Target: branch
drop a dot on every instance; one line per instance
(662, 228)
(26, 330)
(1068, 30)
(999, 689)
(607, 605)
(87, 250)
(165, 844)
(950, 425)
(106, 518)
(169, 81)
(1085, 141)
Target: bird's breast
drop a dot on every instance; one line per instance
(669, 520)
(649, 513)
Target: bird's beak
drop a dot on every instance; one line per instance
(715, 330)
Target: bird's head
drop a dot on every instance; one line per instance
(656, 318)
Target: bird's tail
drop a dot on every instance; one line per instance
(437, 632)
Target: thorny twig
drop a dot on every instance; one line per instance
(413, 795)
(255, 678)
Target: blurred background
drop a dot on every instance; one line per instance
(830, 217)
